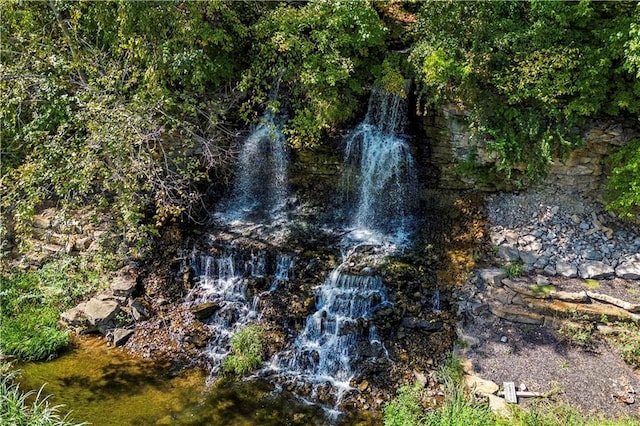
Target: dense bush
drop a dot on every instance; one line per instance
(316, 58)
(530, 71)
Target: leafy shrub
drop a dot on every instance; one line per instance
(514, 270)
(624, 181)
(246, 351)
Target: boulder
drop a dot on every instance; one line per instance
(75, 317)
(123, 285)
(628, 271)
(99, 312)
(596, 270)
(567, 270)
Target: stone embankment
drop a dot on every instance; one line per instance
(113, 312)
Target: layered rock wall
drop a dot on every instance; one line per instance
(582, 171)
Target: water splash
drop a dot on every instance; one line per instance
(380, 171)
(335, 334)
(224, 280)
(260, 190)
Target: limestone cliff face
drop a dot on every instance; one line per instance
(583, 170)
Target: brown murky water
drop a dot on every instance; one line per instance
(106, 387)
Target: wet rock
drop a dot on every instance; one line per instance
(204, 310)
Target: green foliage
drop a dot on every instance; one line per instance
(246, 351)
(404, 409)
(627, 341)
(31, 304)
(317, 57)
(109, 105)
(624, 181)
(458, 409)
(16, 410)
(514, 270)
(529, 71)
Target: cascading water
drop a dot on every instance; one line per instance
(223, 281)
(381, 170)
(340, 331)
(333, 336)
(260, 189)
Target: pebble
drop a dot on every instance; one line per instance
(504, 339)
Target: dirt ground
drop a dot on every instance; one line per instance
(593, 380)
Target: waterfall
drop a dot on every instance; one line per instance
(223, 280)
(381, 170)
(260, 188)
(334, 335)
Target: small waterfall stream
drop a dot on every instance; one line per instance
(382, 170)
(223, 281)
(338, 333)
(260, 189)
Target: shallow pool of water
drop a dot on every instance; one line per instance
(107, 387)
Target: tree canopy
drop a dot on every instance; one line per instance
(134, 108)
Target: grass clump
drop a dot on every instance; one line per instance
(246, 351)
(458, 408)
(31, 303)
(405, 408)
(15, 410)
(591, 284)
(627, 341)
(514, 270)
